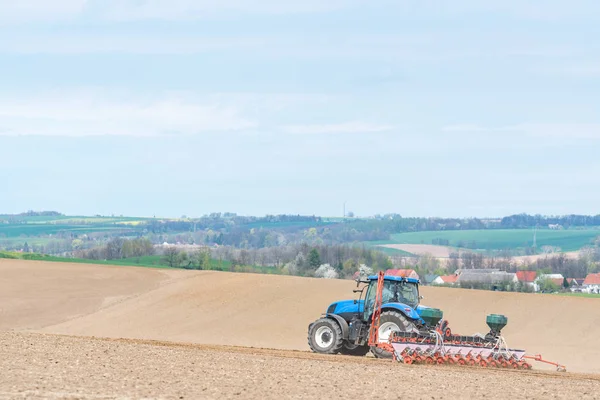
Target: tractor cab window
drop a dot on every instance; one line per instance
(393, 292)
(409, 292)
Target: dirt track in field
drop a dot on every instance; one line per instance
(215, 308)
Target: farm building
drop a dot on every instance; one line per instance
(591, 284)
(432, 279)
(527, 278)
(576, 282)
(575, 285)
(405, 273)
(494, 277)
(448, 279)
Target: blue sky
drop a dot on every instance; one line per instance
(429, 108)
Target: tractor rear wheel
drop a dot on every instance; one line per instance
(325, 336)
(390, 321)
(354, 349)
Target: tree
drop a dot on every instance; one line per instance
(114, 249)
(546, 285)
(326, 271)
(171, 256)
(314, 260)
(565, 283)
(26, 248)
(201, 259)
(77, 244)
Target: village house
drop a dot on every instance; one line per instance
(527, 278)
(591, 284)
(432, 279)
(448, 279)
(575, 285)
(405, 273)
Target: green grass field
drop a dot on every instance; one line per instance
(11, 231)
(390, 252)
(588, 295)
(499, 239)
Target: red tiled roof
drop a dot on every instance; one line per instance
(449, 278)
(526, 276)
(592, 279)
(406, 273)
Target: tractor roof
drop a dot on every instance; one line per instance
(394, 278)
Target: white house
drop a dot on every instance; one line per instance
(591, 284)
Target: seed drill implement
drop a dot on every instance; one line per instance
(388, 321)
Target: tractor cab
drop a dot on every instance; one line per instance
(398, 292)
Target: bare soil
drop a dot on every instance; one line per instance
(204, 311)
(422, 249)
(54, 367)
(442, 253)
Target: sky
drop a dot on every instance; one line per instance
(187, 107)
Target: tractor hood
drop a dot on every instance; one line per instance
(346, 306)
(403, 308)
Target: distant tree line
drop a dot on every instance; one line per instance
(118, 248)
(304, 259)
(566, 221)
(32, 213)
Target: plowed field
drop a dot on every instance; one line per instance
(49, 311)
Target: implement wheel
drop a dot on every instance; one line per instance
(390, 321)
(325, 336)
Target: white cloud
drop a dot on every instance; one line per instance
(129, 44)
(16, 11)
(86, 113)
(583, 69)
(540, 130)
(122, 10)
(346, 127)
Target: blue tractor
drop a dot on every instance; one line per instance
(345, 326)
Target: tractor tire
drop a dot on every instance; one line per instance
(354, 350)
(325, 336)
(388, 322)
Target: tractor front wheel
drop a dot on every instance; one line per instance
(325, 336)
(390, 321)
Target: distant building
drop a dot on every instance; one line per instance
(449, 279)
(477, 271)
(527, 278)
(405, 273)
(591, 284)
(493, 278)
(432, 279)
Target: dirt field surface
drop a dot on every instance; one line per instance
(422, 249)
(443, 252)
(54, 367)
(203, 308)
